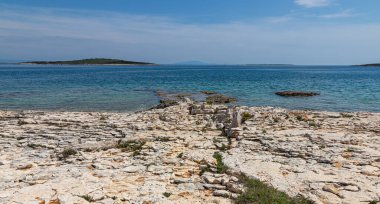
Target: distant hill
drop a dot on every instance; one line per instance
(94, 61)
(371, 65)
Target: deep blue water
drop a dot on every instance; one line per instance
(118, 88)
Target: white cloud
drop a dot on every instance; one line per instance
(313, 3)
(342, 14)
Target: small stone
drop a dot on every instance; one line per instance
(24, 166)
(214, 186)
(331, 188)
(132, 169)
(210, 179)
(222, 193)
(234, 188)
(181, 180)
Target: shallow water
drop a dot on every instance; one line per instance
(126, 88)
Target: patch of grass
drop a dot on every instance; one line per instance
(166, 194)
(246, 116)
(66, 153)
(313, 124)
(136, 153)
(21, 122)
(33, 146)
(346, 115)
(205, 169)
(180, 155)
(259, 192)
(131, 145)
(349, 149)
(163, 139)
(88, 198)
(221, 168)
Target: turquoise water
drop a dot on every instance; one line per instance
(118, 88)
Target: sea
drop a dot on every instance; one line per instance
(134, 88)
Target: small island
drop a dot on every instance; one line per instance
(370, 65)
(94, 61)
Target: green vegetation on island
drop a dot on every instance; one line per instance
(370, 65)
(94, 61)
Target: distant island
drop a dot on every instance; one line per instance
(268, 65)
(94, 61)
(370, 65)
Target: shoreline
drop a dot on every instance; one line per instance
(327, 157)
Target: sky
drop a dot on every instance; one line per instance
(310, 32)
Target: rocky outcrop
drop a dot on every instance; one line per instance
(168, 155)
(296, 93)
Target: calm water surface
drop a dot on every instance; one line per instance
(118, 88)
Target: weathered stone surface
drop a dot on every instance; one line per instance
(324, 156)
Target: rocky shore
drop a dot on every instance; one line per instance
(190, 152)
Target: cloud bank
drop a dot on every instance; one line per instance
(57, 34)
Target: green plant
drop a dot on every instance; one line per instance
(136, 153)
(299, 118)
(166, 194)
(66, 153)
(180, 155)
(163, 139)
(88, 198)
(259, 192)
(349, 149)
(312, 124)
(130, 145)
(246, 116)
(22, 122)
(221, 168)
(346, 115)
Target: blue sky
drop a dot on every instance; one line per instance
(214, 31)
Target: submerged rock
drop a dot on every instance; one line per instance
(208, 92)
(220, 99)
(297, 93)
(165, 103)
